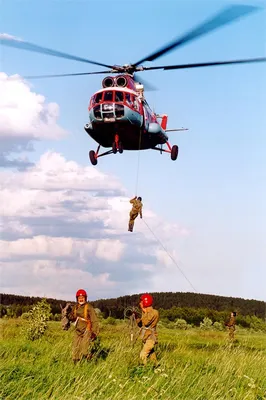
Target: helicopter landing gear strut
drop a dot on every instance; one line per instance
(117, 145)
(173, 150)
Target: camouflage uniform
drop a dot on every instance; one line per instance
(86, 330)
(135, 211)
(232, 327)
(148, 323)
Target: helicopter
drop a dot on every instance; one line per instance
(120, 118)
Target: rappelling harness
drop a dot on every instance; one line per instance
(152, 336)
(85, 319)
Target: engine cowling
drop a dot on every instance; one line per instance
(121, 81)
(108, 82)
(118, 81)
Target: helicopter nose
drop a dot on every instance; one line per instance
(109, 111)
(108, 107)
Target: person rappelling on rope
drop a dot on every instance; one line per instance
(135, 211)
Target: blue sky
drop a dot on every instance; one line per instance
(216, 188)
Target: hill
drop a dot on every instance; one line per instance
(168, 300)
(176, 302)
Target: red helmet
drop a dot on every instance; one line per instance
(81, 292)
(146, 299)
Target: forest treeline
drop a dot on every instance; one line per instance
(191, 307)
(169, 300)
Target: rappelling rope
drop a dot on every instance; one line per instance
(169, 254)
(136, 193)
(137, 178)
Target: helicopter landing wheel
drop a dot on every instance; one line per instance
(93, 158)
(174, 152)
(120, 148)
(114, 148)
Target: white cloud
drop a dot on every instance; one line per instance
(14, 227)
(53, 172)
(61, 212)
(61, 248)
(53, 279)
(25, 117)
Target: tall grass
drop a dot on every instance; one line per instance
(194, 365)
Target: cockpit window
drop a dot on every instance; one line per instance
(108, 96)
(119, 96)
(135, 103)
(98, 97)
(128, 99)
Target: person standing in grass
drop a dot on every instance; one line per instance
(86, 326)
(148, 323)
(232, 325)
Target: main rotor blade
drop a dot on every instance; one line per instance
(63, 75)
(8, 40)
(222, 18)
(207, 64)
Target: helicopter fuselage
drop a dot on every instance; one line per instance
(122, 111)
(121, 119)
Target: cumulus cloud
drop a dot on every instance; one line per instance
(60, 215)
(53, 279)
(25, 117)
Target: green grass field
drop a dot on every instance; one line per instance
(194, 365)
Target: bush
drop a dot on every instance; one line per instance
(181, 324)
(257, 324)
(36, 322)
(206, 324)
(218, 326)
(170, 325)
(111, 321)
(25, 315)
(56, 317)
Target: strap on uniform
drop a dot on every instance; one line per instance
(144, 328)
(86, 317)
